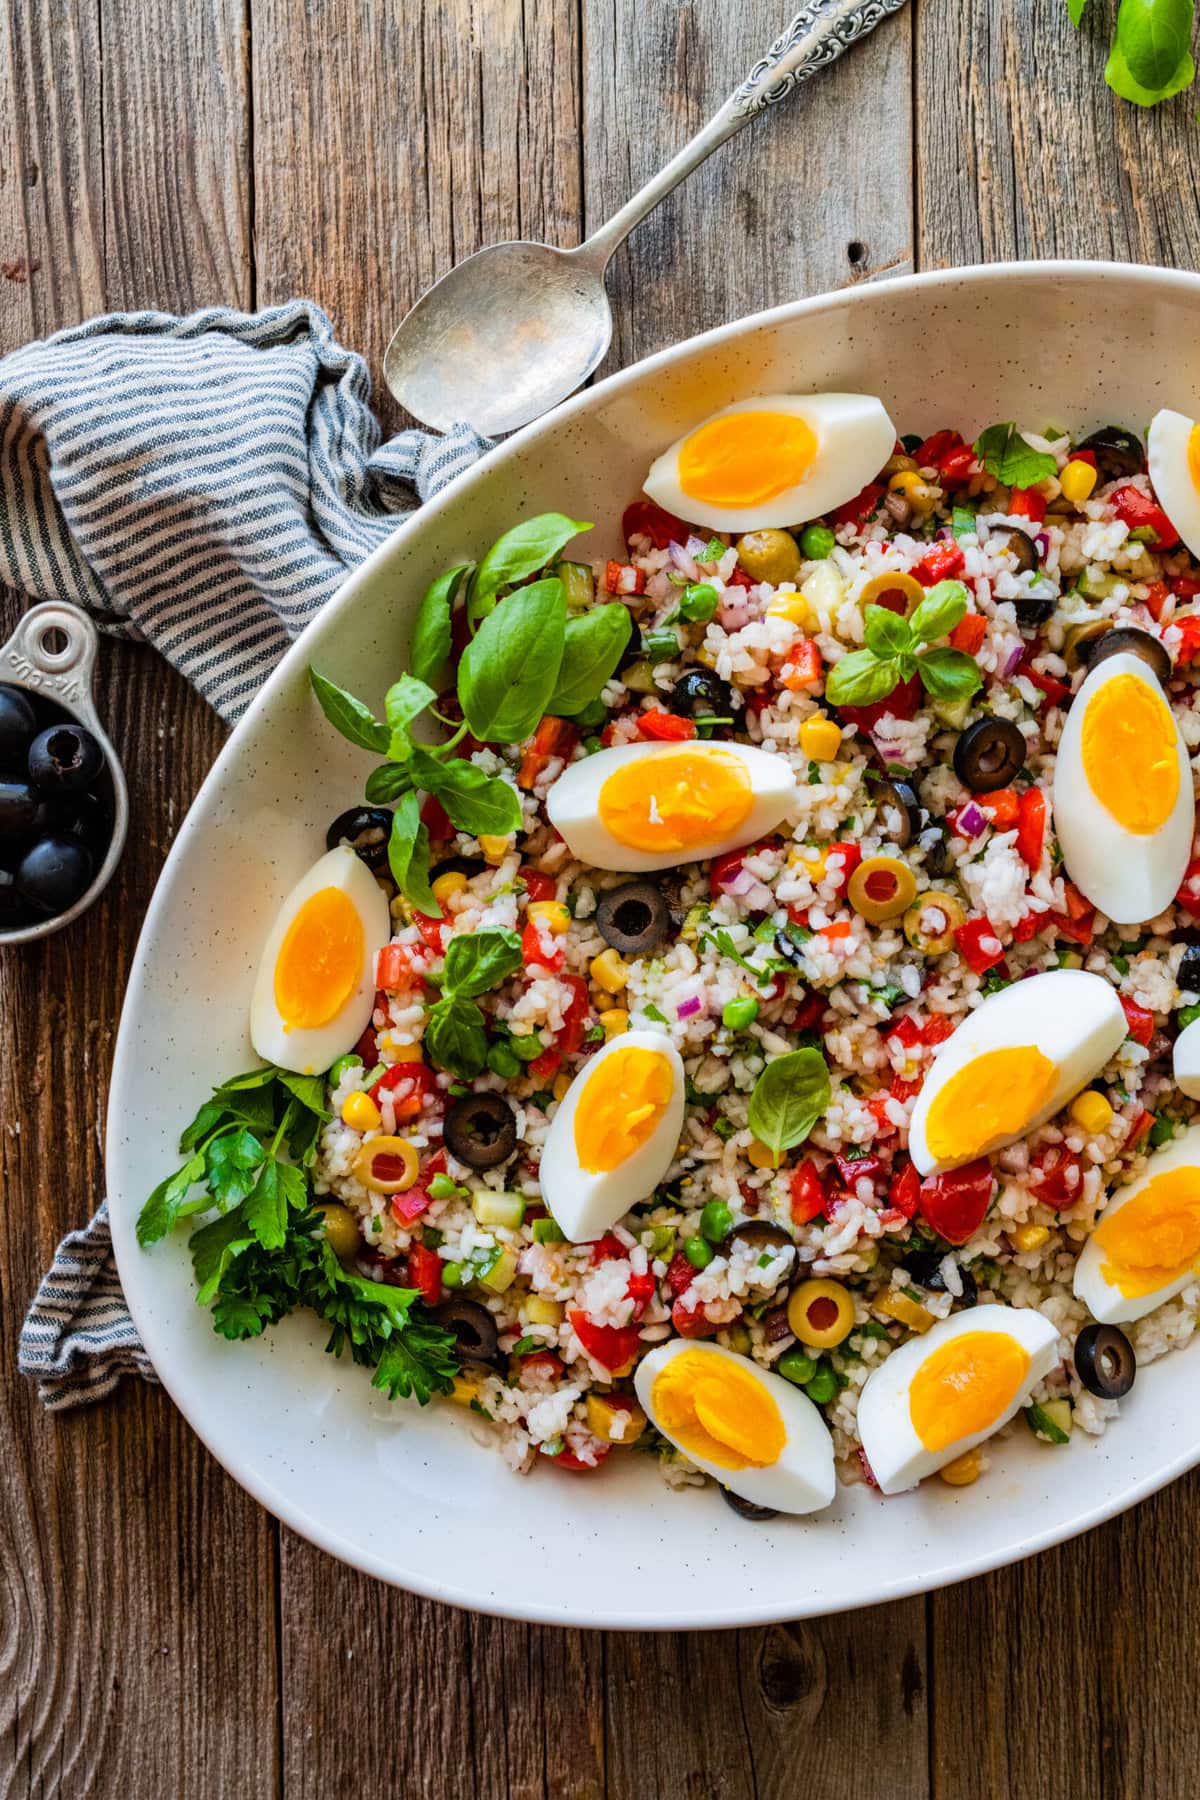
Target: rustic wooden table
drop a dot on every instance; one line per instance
(159, 1634)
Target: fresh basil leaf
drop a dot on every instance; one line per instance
(309, 1090)
(1005, 454)
(455, 1038)
(887, 634)
(1153, 37)
(214, 1247)
(789, 1097)
(230, 1164)
(481, 804)
(519, 554)
(592, 646)
(480, 960)
(1124, 83)
(406, 700)
(408, 856)
(349, 716)
(388, 782)
(861, 679)
(939, 612)
(161, 1210)
(949, 674)
(279, 1188)
(431, 636)
(509, 669)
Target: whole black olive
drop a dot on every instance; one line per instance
(700, 694)
(787, 948)
(481, 1130)
(18, 727)
(470, 866)
(1019, 545)
(925, 1266)
(88, 818)
(746, 1509)
(1118, 452)
(1188, 975)
(14, 910)
(758, 1235)
(365, 829)
(898, 811)
(634, 918)
(53, 875)
(65, 759)
(1104, 1361)
(473, 1327)
(1127, 640)
(1033, 609)
(23, 811)
(988, 754)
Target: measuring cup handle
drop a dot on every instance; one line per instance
(63, 674)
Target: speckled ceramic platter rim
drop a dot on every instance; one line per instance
(408, 1495)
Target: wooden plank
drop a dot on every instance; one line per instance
(803, 200)
(137, 1626)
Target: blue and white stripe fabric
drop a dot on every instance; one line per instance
(204, 483)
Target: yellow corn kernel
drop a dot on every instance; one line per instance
(1077, 481)
(495, 849)
(407, 1053)
(790, 606)
(896, 1304)
(451, 883)
(609, 971)
(360, 1112)
(812, 861)
(614, 1422)
(614, 1021)
(820, 738)
(1091, 1112)
(762, 1156)
(1030, 1237)
(918, 492)
(561, 1084)
(962, 1471)
(553, 914)
(466, 1388)
(539, 1311)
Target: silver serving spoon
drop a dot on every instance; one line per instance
(519, 326)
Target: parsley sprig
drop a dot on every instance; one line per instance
(1009, 456)
(897, 649)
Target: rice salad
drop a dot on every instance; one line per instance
(889, 1074)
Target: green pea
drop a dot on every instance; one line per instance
(816, 542)
(737, 1014)
(593, 714)
(591, 745)
(715, 1221)
(698, 1253)
(452, 1274)
(1187, 1015)
(661, 646)
(503, 1060)
(350, 1061)
(822, 1387)
(699, 602)
(528, 1048)
(793, 1365)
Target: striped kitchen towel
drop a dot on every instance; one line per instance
(204, 483)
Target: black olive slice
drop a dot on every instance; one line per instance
(474, 1328)
(1127, 640)
(989, 754)
(746, 1509)
(634, 918)
(366, 830)
(481, 1130)
(700, 694)
(1104, 1361)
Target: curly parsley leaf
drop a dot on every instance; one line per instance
(163, 1209)
(417, 1363)
(1006, 454)
(280, 1187)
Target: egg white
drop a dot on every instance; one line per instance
(1171, 475)
(307, 1051)
(585, 1203)
(854, 438)
(898, 1458)
(1187, 1060)
(1104, 1300)
(802, 1479)
(573, 804)
(1129, 877)
(1074, 1018)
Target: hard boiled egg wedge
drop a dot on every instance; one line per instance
(651, 806)
(1173, 458)
(1123, 805)
(316, 982)
(752, 1431)
(1146, 1247)
(776, 460)
(1012, 1064)
(614, 1135)
(1186, 1060)
(938, 1396)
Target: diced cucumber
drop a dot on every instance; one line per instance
(499, 1209)
(579, 584)
(502, 1273)
(1051, 1420)
(951, 713)
(546, 1231)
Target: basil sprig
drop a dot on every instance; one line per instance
(1007, 455)
(790, 1095)
(896, 649)
(455, 1035)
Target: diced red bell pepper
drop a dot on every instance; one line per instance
(850, 856)
(436, 819)
(1003, 804)
(937, 1029)
(1028, 926)
(1027, 503)
(802, 666)
(1189, 639)
(541, 1362)
(906, 1031)
(969, 633)
(394, 970)
(641, 1290)
(575, 1018)
(680, 1274)
(644, 519)
(432, 930)
(608, 1248)
(540, 949)
(1085, 456)
(1186, 587)
(567, 1459)
(810, 1012)
(664, 727)
(956, 468)
(417, 1078)
(740, 579)
(1189, 888)
(1157, 595)
(902, 1089)
(554, 737)
(1031, 827)
(979, 945)
(1057, 692)
(852, 1169)
(624, 578)
(692, 1324)
(1142, 1125)
(877, 1106)
(905, 1191)
(942, 562)
(807, 1192)
(1140, 513)
(1080, 922)
(862, 507)
(901, 703)
(955, 1204)
(1057, 1176)
(612, 1346)
(929, 453)
(408, 1207)
(1138, 1019)
(546, 1066)
(537, 885)
(425, 1273)
(367, 1048)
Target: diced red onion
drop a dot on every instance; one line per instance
(1042, 540)
(740, 884)
(698, 548)
(1012, 661)
(971, 821)
(683, 562)
(734, 613)
(688, 1008)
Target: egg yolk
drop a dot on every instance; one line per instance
(1154, 1238)
(620, 1107)
(1129, 753)
(994, 1097)
(1193, 456)
(320, 961)
(676, 800)
(746, 458)
(719, 1411)
(964, 1386)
